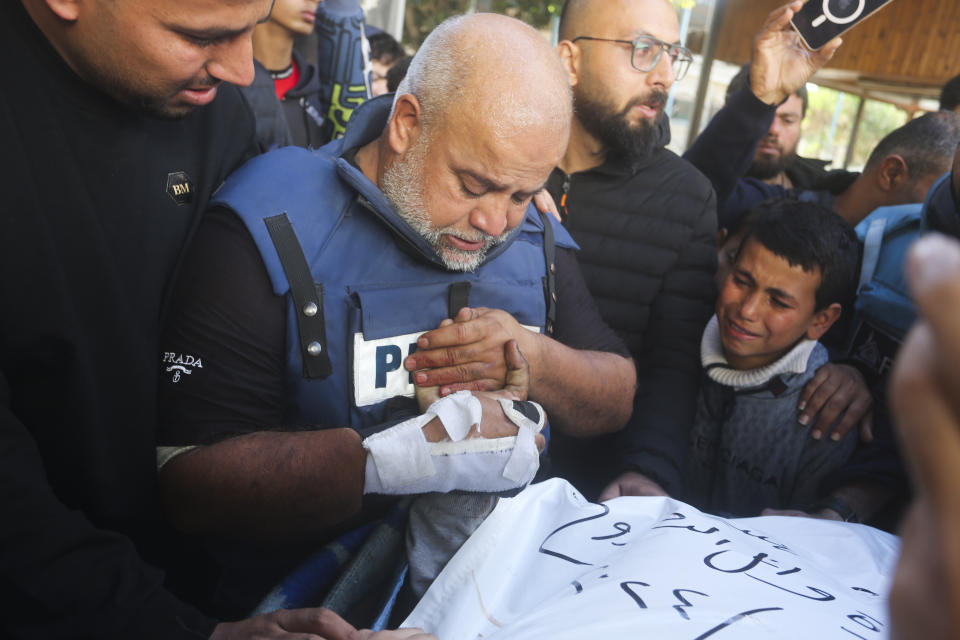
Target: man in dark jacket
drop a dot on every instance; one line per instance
(109, 162)
(646, 224)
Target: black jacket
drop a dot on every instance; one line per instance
(98, 203)
(297, 119)
(647, 236)
(306, 107)
(272, 128)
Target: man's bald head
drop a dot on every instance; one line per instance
(478, 123)
(579, 16)
(493, 69)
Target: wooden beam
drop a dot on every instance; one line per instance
(910, 41)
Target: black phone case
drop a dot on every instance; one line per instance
(820, 21)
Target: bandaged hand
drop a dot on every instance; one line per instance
(470, 441)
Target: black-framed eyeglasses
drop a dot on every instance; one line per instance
(647, 51)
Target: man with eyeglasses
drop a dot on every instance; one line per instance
(646, 224)
(645, 221)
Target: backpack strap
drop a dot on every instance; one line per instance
(872, 243)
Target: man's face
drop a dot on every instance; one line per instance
(378, 82)
(165, 56)
(917, 190)
(765, 307)
(779, 146)
(296, 16)
(617, 104)
(464, 189)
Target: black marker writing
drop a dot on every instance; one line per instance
(633, 594)
(557, 554)
(686, 603)
(621, 527)
(823, 595)
(757, 559)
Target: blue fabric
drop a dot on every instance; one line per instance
(884, 300)
(381, 279)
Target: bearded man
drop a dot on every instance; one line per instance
(646, 221)
(646, 224)
(775, 161)
(316, 274)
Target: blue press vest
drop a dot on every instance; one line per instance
(377, 297)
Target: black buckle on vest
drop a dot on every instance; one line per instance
(458, 297)
(307, 297)
(550, 280)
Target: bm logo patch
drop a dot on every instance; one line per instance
(179, 187)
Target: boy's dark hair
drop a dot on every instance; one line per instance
(950, 94)
(814, 238)
(384, 48)
(742, 79)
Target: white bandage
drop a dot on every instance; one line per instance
(402, 462)
(458, 412)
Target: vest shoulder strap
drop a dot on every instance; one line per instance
(293, 182)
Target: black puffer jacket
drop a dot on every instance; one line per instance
(647, 236)
(306, 106)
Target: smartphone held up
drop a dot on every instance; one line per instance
(820, 21)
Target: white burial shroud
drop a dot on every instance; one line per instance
(549, 564)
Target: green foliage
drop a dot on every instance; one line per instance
(878, 119)
(423, 15)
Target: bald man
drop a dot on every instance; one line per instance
(323, 285)
(645, 221)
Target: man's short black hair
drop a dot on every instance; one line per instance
(810, 236)
(927, 144)
(742, 79)
(397, 73)
(950, 94)
(384, 48)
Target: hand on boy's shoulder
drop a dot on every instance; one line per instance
(837, 395)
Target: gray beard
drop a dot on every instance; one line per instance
(402, 183)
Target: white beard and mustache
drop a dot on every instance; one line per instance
(403, 185)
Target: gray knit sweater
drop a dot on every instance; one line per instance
(747, 450)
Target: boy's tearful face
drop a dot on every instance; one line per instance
(766, 306)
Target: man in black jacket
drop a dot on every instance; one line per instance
(646, 224)
(108, 163)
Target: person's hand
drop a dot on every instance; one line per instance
(544, 203)
(834, 390)
(822, 514)
(468, 351)
(631, 483)
(292, 624)
(781, 64)
(925, 398)
(493, 423)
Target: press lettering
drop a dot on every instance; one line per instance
(388, 358)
